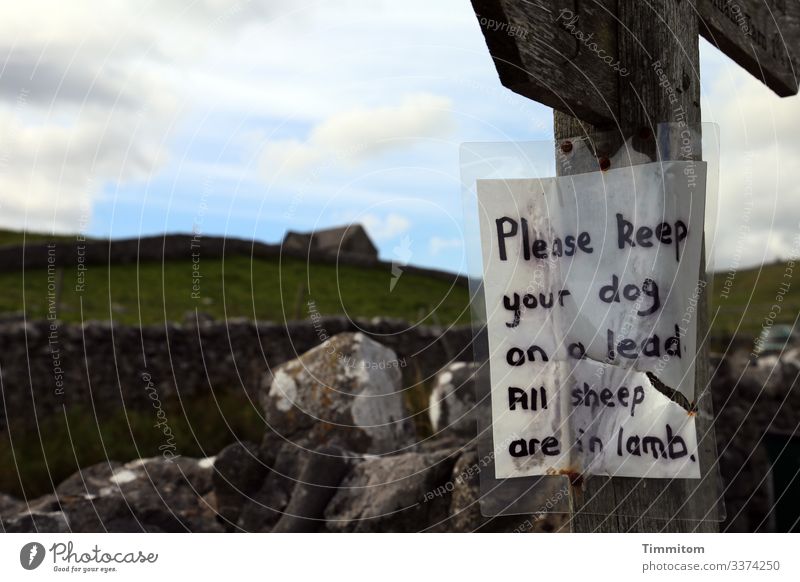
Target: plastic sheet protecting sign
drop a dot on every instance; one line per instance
(591, 287)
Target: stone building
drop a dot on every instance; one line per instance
(352, 240)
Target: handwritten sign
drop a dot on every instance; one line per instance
(591, 294)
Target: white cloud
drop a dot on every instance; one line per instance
(110, 86)
(355, 135)
(386, 228)
(83, 103)
(439, 244)
(90, 93)
(51, 172)
(759, 198)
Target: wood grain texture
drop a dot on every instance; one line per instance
(658, 43)
(571, 54)
(760, 35)
(552, 52)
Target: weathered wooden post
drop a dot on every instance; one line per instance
(664, 32)
(613, 71)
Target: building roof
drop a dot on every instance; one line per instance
(331, 239)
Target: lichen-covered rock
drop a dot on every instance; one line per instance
(452, 402)
(291, 465)
(152, 495)
(50, 522)
(262, 510)
(392, 494)
(239, 472)
(347, 391)
(10, 505)
(465, 513)
(317, 484)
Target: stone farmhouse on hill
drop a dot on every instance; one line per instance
(352, 240)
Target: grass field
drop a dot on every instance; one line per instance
(34, 460)
(265, 290)
(13, 237)
(150, 293)
(742, 303)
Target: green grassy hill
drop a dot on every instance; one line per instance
(16, 237)
(266, 290)
(261, 289)
(741, 303)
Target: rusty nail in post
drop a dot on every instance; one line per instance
(605, 163)
(566, 147)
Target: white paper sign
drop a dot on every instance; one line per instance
(591, 286)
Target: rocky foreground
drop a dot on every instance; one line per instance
(340, 454)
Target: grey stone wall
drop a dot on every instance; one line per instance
(103, 366)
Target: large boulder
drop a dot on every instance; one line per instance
(239, 472)
(151, 495)
(452, 407)
(347, 391)
(36, 522)
(262, 510)
(313, 491)
(766, 375)
(393, 494)
(301, 478)
(465, 513)
(10, 505)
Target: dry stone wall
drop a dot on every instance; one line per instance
(108, 366)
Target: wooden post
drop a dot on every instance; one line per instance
(627, 66)
(648, 32)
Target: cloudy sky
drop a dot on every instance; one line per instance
(247, 119)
